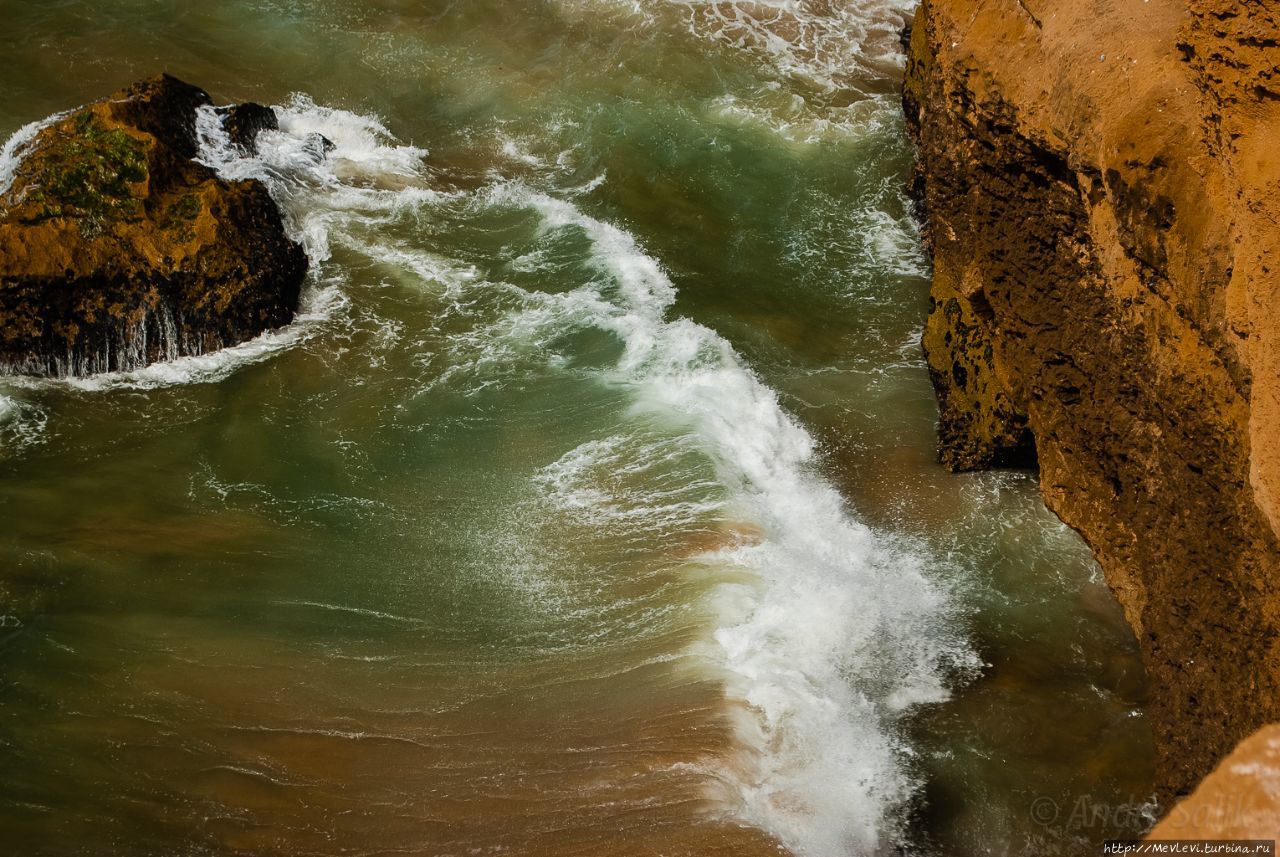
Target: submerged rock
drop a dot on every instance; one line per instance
(117, 249)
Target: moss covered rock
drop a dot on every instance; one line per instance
(117, 249)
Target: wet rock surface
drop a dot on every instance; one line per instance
(1102, 197)
(117, 249)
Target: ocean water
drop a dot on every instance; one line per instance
(588, 507)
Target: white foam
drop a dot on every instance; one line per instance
(842, 633)
(13, 151)
(319, 305)
(22, 424)
(631, 484)
(833, 44)
(326, 168)
(365, 176)
(819, 57)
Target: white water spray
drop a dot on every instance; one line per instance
(842, 633)
(839, 633)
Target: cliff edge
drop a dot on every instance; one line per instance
(1237, 801)
(1101, 183)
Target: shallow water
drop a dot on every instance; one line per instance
(590, 506)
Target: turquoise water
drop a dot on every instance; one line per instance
(590, 506)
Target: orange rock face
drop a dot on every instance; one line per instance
(1239, 800)
(117, 249)
(1102, 189)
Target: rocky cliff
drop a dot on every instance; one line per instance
(1239, 800)
(118, 249)
(1101, 183)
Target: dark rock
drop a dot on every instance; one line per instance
(244, 122)
(118, 250)
(317, 146)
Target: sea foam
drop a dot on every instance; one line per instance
(325, 168)
(834, 631)
(15, 146)
(841, 631)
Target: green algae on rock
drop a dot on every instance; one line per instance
(118, 249)
(89, 172)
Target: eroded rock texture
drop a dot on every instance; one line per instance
(117, 249)
(1101, 182)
